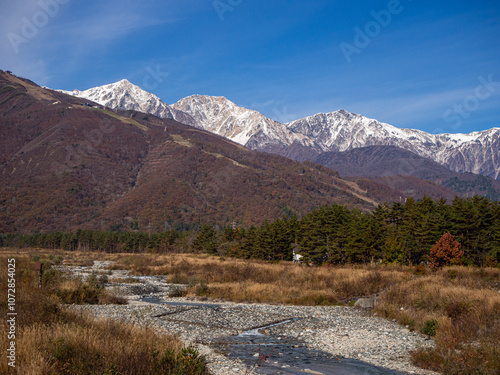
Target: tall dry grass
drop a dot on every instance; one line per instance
(257, 281)
(52, 340)
(462, 305)
(83, 346)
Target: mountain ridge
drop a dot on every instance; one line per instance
(303, 139)
(383, 163)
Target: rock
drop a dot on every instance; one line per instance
(366, 302)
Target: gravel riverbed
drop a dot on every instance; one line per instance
(242, 338)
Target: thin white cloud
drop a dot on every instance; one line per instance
(411, 109)
(105, 27)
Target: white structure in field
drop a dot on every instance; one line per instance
(296, 256)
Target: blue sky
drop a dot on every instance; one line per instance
(421, 64)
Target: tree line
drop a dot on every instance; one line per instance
(398, 233)
(92, 240)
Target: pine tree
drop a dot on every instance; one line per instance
(206, 240)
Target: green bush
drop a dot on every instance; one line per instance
(430, 327)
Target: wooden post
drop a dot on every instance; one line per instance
(39, 269)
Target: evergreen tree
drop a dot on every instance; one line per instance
(206, 240)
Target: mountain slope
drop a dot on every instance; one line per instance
(66, 165)
(383, 163)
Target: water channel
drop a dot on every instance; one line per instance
(281, 354)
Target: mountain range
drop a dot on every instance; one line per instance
(305, 139)
(457, 161)
(117, 157)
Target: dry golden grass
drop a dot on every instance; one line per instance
(83, 346)
(257, 281)
(87, 347)
(465, 303)
(51, 340)
(460, 305)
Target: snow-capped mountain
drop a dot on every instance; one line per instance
(244, 126)
(125, 95)
(477, 152)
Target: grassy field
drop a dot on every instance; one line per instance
(52, 340)
(458, 306)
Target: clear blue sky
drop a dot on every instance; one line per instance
(429, 65)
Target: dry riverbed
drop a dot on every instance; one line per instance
(240, 338)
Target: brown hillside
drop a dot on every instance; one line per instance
(68, 164)
(403, 170)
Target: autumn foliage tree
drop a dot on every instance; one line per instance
(447, 251)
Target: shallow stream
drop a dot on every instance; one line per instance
(280, 354)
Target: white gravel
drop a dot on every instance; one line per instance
(341, 331)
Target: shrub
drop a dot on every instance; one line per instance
(420, 270)
(50, 276)
(103, 279)
(446, 251)
(177, 291)
(193, 281)
(491, 262)
(430, 327)
(201, 289)
(457, 310)
(452, 274)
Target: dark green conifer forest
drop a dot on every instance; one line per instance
(399, 233)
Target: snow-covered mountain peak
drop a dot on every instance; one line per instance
(125, 95)
(220, 115)
(342, 130)
(124, 82)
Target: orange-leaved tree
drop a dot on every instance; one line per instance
(447, 251)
